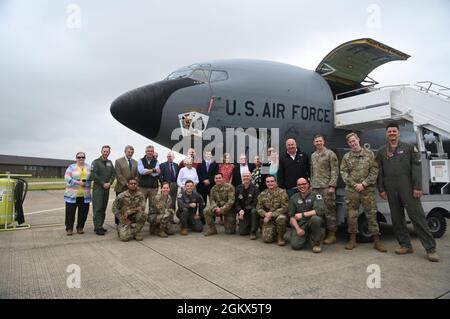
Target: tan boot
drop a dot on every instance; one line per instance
(138, 236)
(378, 245)
(331, 238)
(252, 236)
(281, 241)
(162, 233)
(211, 231)
(184, 231)
(351, 242)
(317, 249)
(433, 256)
(404, 250)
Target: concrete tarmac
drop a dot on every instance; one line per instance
(34, 264)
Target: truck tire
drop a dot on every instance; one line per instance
(363, 236)
(437, 224)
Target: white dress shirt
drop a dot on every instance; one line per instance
(186, 174)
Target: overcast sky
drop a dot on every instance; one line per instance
(59, 74)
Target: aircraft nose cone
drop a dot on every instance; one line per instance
(140, 110)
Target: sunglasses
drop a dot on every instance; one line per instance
(81, 157)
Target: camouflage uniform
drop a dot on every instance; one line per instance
(275, 201)
(360, 168)
(160, 213)
(313, 226)
(222, 196)
(132, 204)
(324, 174)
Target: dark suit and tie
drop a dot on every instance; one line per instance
(125, 168)
(206, 171)
(169, 173)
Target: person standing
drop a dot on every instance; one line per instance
(359, 170)
(78, 193)
(187, 173)
(400, 182)
(206, 172)
(148, 168)
(103, 175)
(292, 165)
(226, 168)
(240, 169)
(324, 176)
(169, 173)
(125, 167)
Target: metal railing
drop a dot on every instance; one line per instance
(431, 87)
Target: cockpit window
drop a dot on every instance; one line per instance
(179, 74)
(200, 75)
(218, 76)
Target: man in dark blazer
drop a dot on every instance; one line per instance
(125, 167)
(206, 172)
(239, 169)
(169, 173)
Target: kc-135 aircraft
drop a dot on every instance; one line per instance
(260, 94)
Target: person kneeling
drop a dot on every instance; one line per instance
(161, 212)
(306, 211)
(190, 209)
(129, 208)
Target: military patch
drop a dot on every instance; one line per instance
(318, 196)
(109, 164)
(299, 201)
(308, 200)
(241, 196)
(180, 195)
(416, 150)
(400, 152)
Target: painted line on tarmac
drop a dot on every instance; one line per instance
(190, 270)
(51, 210)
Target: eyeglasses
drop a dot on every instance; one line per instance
(81, 157)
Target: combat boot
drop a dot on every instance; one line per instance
(378, 244)
(351, 242)
(211, 231)
(317, 249)
(331, 238)
(404, 250)
(162, 233)
(252, 236)
(281, 241)
(69, 232)
(433, 256)
(184, 231)
(138, 236)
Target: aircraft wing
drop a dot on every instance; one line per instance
(347, 66)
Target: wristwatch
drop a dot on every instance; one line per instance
(303, 215)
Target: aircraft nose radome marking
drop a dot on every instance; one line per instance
(193, 123)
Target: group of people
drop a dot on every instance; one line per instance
(295, 189)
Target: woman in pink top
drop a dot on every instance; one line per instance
(226, 168)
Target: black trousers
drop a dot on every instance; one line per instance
(83, 209)
(250, 223)
(187, 219)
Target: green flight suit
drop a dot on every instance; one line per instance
(401, 173)
(313, 226)
(102, 172)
